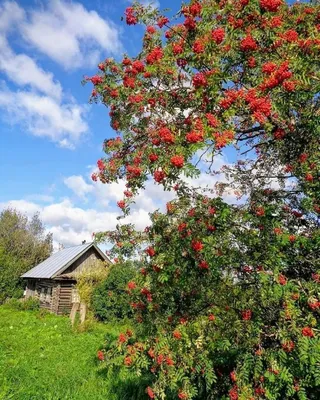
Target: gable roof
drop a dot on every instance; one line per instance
(60, 261)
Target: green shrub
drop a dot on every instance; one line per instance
(90, 278)
(30, 304)
(11, 286)
(110, 299)
(13, 303)
(43, 313)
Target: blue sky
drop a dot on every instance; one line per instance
(50, 137)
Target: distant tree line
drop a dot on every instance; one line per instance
(24, 243)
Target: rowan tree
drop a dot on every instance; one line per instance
(227, 304)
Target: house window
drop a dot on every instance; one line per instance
(45, 294)
(48, 295)
(42, 294)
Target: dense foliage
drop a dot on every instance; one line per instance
(30, 304)
(110, 299)
(23, 244)
(89, 279)
(227, 302)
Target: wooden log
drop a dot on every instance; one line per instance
(83, 312)
(73, 313)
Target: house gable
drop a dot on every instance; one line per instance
(60, 261)
(90, 259)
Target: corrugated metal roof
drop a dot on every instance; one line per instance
(56, 263)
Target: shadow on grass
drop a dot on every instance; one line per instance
(125, 386)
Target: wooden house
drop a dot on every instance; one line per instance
(53, 281)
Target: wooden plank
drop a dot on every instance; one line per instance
(83, 312)
(74, 310)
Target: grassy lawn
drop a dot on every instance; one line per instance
(41, 357)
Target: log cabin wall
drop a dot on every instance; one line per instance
(57, 294)
(88, 260)
(44, 291)
(55, 298)
(63, 299)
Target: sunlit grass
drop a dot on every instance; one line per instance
(42, 357)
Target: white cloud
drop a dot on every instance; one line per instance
(70, 34)
(106, 194)
(23, 70)
(153, 197)
(43, 116)
(149, 199)
(78, 185)
(71, 224)
(40, 107)
(10, 15)
(24, 206)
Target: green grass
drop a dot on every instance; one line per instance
(42, 357)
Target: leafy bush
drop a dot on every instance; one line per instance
(110, 299)
(10, 282)
(88, 279)
(30, 304)
(13, 303)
